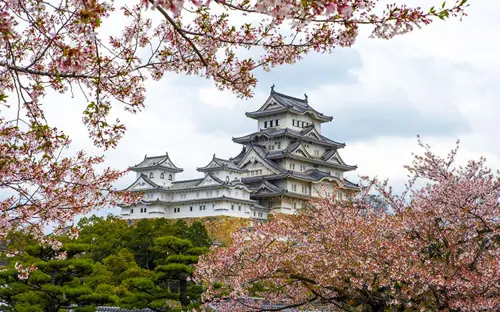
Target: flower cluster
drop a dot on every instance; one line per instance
(24, 272)
(436, 250)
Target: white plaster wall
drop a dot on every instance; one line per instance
(274, 144)
(255, 167)
(211, 209)
(156, 176)
(281, 121)
(222, 174)
(286, 207)
(310, 147)
(152, 211)
(299, 185)
(219, 208)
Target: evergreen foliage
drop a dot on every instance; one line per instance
(143, 265)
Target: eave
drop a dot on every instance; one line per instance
(250, 138)
(314, 161)
(139, 169)
(223, 167)
(312, 113)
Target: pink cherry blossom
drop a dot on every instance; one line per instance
(437, 250)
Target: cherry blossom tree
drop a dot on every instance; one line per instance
(65, 46)
(437, 250)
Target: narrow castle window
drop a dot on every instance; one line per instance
(162, 175)
(265, 124)
(151, 175)
(271, 123)
(170, 177)
(277, 122)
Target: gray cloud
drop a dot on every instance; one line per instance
(296, 79)
(365, 122)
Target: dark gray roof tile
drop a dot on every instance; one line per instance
(163, 162)
(289, 103)
(300, 135)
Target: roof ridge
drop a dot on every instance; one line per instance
(290, 97)
(159, 156)
(181, 181)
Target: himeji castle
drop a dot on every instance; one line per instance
(286, 162)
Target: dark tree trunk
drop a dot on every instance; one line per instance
(378, 307)
(183, 298)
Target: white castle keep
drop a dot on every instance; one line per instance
(285, 163)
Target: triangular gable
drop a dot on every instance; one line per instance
(213, 164)
(141, 184)
(335, 158)
(168, 163)
(270, 104)
(252, 157)
(263, 190)
(266, 188)
(209, 180)
(314, 134)
(300, 151)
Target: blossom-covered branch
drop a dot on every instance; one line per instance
(62, 45)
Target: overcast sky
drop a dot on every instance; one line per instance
(442, 82)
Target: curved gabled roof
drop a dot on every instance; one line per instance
(145, 179)
(300, 135)
(289, 153)
(350, 185)
(156, 162)
(219, 163)
(311, 175)
(261, 152)
(287, 103)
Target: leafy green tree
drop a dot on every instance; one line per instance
(105, 236)
(175, 269)
(119, 276)
(143, 264)
(57, 282)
